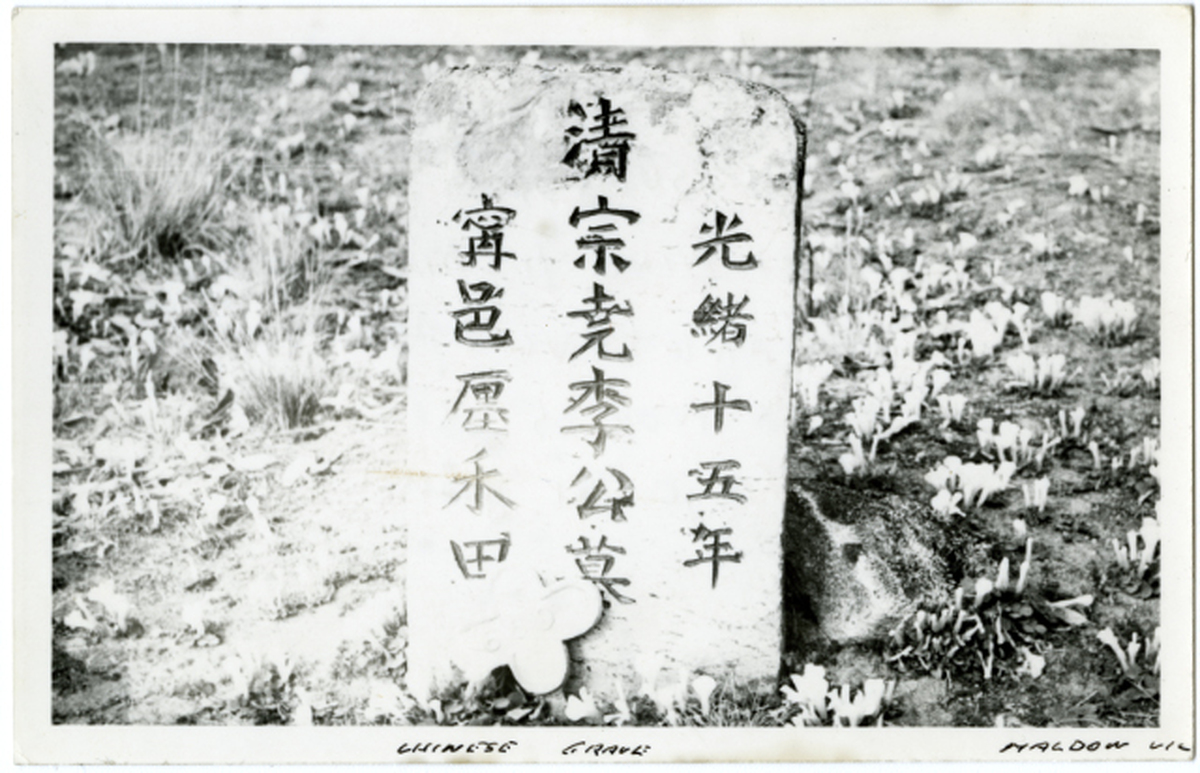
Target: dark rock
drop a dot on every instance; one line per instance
(857, 562)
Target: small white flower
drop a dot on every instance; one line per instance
(1052, 372)
(1108, 638)
(985, 433)
(983, 589)
(809, 689)
(1031, 663)
(1002, 575)
(862, 419)
(581, 707)
(938, 477)
(939, 379)
(1036, 493)
(983, 334)
(1054, 307)
(1151, 372)
(1134, 647)
(1078, 414)
(703, 685)
(809, 378)
(1023, 570)
(999, 314)
(951, 407)
(1153, 647)
(1006, 437)
(300, 77)
(1039, 243)
(855, 459)
(1020, 320)
(946, 503)
(1122, 553)
(1150, 537)
(1023, 367)
(1125, 314)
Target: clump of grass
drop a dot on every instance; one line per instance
(160, 194)
(279, 264)
(265, 324)
(279, 379)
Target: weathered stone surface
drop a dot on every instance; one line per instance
(856, 562)
(613, 253)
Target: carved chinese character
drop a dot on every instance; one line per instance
(601, 238)
(719, 405)
(720, 321)
(717, 485)
(716, 550)
(599, 322)
(599, 501)
(605, 400)
(473, 325)
(475, 481)
(489, 220)
(479, 400)
(470, 562)
(595, 565)
(721, 240)
(600, 147)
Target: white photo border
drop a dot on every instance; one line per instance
(37, 30)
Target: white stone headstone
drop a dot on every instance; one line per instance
(602, 273)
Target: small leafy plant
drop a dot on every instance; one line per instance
(1044, 376)
(1000, 621)
(974, 483)
(1139, 680)
(1108, 321)
(1139, 559)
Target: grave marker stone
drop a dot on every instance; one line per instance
(602, 303)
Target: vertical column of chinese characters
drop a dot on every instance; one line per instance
(721, 322)
(601, 492)
(478, 410)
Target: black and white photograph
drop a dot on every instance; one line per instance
(606, 390)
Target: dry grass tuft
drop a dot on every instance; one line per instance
(159, 194)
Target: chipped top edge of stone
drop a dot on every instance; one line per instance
(424, 96)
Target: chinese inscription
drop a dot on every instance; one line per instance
(599, 324)
(719, 405)
(598, 142)
(486, 226)
(479, 400)
(721, 321)
(471, 556)
(601, 239)
(723, 236)
(474, 483)
(715, 552)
